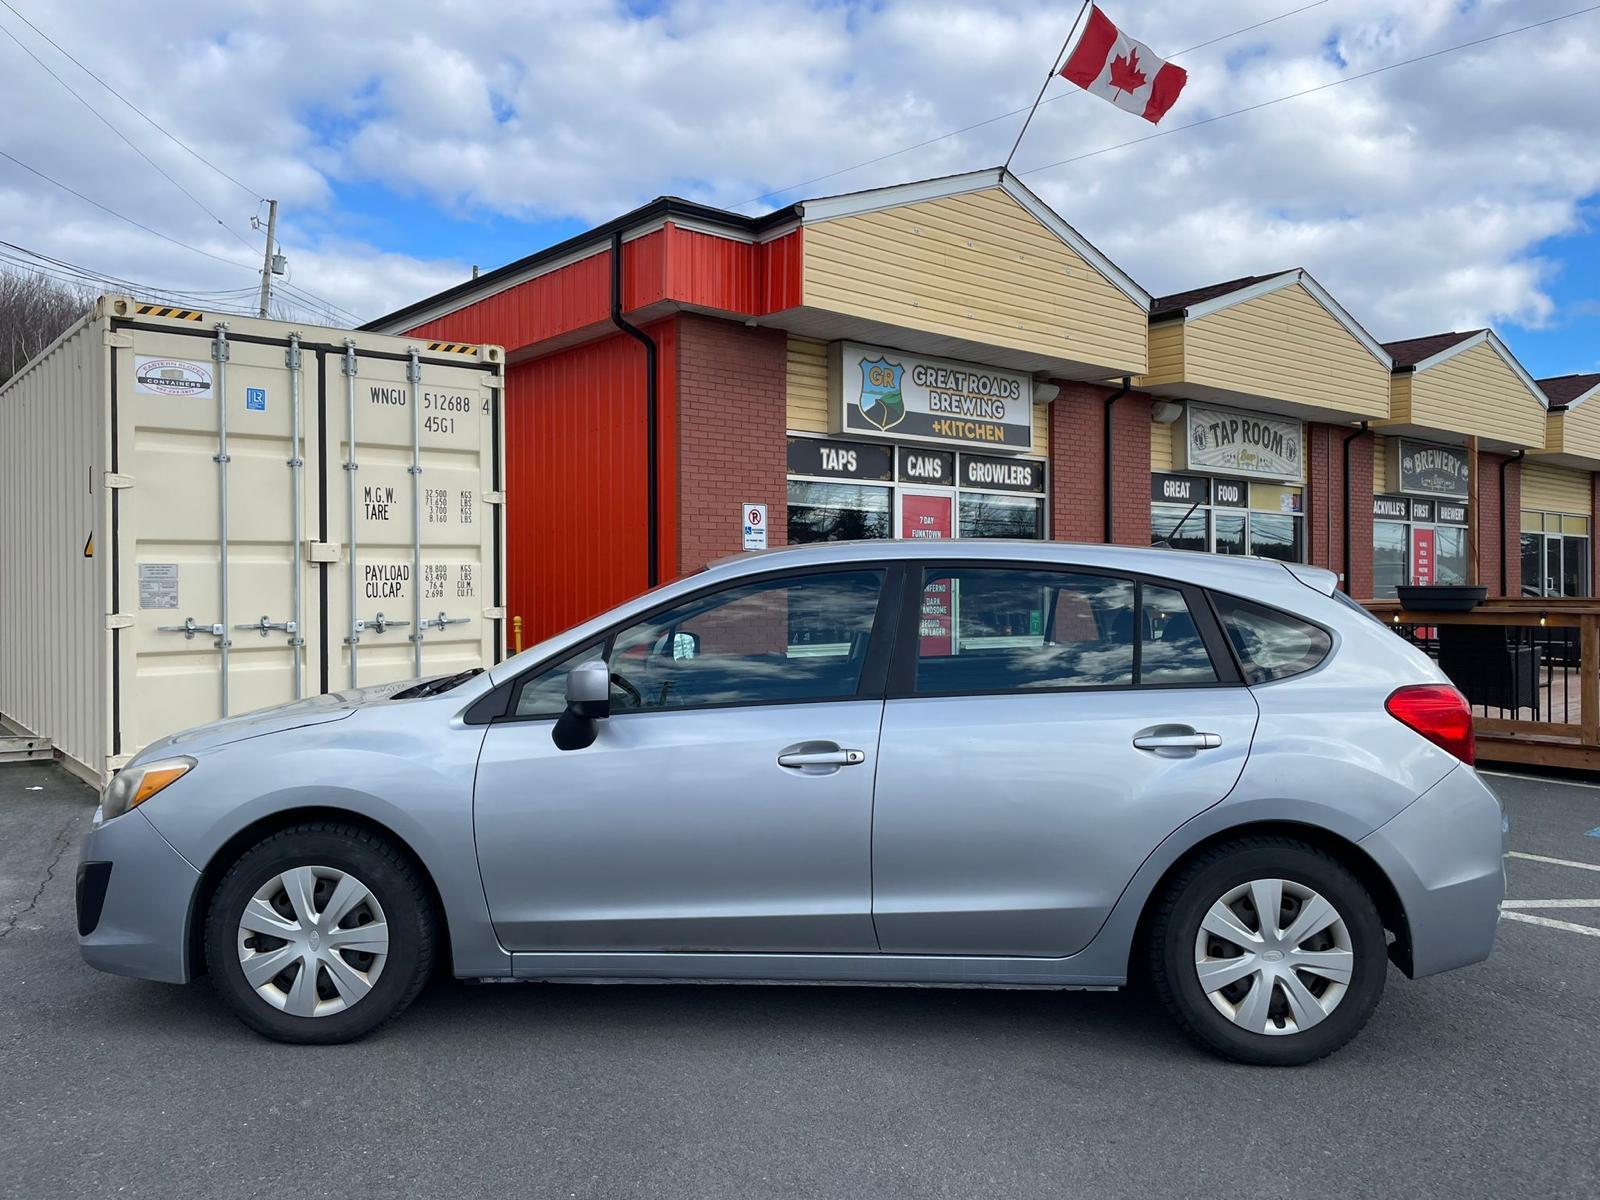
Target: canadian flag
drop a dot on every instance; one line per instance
(1114, 67)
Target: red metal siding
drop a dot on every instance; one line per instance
(575, 494)
(782, 269)
(713, 272)
(572, 297)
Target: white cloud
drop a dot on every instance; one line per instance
(1418, 196)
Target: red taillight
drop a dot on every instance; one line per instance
(1439, 713)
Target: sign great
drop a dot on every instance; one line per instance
(1239, 443)
(878, 392)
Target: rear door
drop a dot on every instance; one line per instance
(1045, 729)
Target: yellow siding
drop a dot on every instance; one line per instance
(1166, 355)
(1041, 429)
(1380, 464)
(1161, 446)
(1286, 346)
(1554, 489)
(978, 267)
(1473, 393)
(1576, 431)
(808, 385)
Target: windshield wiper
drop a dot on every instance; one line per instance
(435, 687)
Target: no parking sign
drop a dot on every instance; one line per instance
(754, 517)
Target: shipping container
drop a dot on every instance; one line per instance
(203, 514)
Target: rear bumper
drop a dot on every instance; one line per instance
(1444, 855)
(134, 891)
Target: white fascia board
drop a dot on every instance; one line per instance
(1316, 291)
(853, 204)
(1500, 348)
(1577, 400)
(1450, 352)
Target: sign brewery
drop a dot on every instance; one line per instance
(1429, 470)
(880, 392)
(1240, 443)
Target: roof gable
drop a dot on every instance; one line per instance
(1445, 349)
(1569, 390)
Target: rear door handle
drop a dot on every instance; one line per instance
(1178, 741)
(820, 754)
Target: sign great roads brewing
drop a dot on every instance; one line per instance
(878, 392)
(1240, 443)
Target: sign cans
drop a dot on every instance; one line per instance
(879, 392)
(1240, 443)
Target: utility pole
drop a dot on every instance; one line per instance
(267, 263)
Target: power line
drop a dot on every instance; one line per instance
(113, 212)
(158, 126)
(1016, 112)
(1321, 87)
(99, 116)
(90, 274)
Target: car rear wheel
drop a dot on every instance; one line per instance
(320, 934)
(1268, 951)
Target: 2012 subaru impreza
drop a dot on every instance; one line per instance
(966, 763)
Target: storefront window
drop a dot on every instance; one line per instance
(984, 515)
(1555, 554)
(842, 490)
(1273, 535)
(837, 512)
(1229, 533)
(1179, 528)
(1450, 556)
(1391, 561)
(1227, 516)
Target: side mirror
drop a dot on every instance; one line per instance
(588, 701)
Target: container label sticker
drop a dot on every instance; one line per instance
(158, 585)
(255, 399)
(171, 377)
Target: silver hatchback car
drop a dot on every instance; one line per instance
(971, 763)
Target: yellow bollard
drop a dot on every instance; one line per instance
(516, 634)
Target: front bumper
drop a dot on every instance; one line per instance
(142, 889)
(1444, 855)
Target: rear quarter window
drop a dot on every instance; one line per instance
(1268, 643)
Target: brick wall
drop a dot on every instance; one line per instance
(1077, 465)
(1493, 528)
(1326, 506)
(732, 424)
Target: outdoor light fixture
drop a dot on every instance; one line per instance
(1043, 393)
(1166, 412)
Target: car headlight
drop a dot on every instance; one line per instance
(134, 785)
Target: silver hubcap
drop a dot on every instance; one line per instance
(1273, 956)
(313, 941)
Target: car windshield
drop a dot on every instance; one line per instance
(435, 687)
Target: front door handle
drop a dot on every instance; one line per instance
(826, 755)
(1189, 740)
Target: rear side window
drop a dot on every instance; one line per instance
(1271, 644)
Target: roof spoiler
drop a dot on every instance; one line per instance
(1318, 579)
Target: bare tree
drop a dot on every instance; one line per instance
(34, 311)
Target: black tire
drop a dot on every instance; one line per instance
(1175, 925)
(391, 879)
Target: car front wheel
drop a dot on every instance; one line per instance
(1268, 951)
(320, 934)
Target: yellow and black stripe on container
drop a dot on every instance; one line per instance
(452, 347)
(167, 310)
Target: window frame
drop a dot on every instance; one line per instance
(902, 680)
(874, 664)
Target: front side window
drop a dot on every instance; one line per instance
(796, 638)
(1271, 644)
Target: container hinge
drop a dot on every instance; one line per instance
(119, 621)
(190, 628)
(118, 340)
(115, 481)
(350, 357)
(219, 348)
(266, 624)
(494, 614)
(291, 356)
(413, 369)
(494, 497)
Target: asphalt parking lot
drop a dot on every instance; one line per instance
(1479, 1083)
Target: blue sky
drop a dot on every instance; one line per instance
(1458, 192)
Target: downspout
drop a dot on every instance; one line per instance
(651, 437)
(1504, 564)
(1349, 508)
(1127, 386)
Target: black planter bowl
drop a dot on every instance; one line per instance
(1442, 598)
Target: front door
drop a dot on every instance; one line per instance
(726, 804)
(1036, 751)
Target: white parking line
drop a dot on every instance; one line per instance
(1560, 862)
(1551, 904)
(1570, 927)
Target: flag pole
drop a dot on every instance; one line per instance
(1054, 67)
